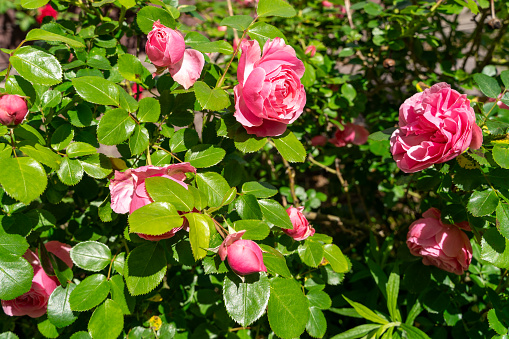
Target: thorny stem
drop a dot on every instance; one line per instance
(13, 142)
(291, 177)
(111, 265)
(328, 169)
(10, 65)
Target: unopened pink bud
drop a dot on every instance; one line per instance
(311, 50)
(245, 257)
(222, 28)
(301, 227)
(13, 110)
(327, 4)
(165, 46)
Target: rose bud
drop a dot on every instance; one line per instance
(301, 227)
(13, 110)
(435, 126)
(222, 28)
(327, 4)
(245, 257)
(444, 246)
(318, 140)
(165, 46)
(310, 50)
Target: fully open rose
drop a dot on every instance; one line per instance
(435, 126)
(269, 95)
(35, 302)
(444, 246)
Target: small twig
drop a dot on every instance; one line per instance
(328, 169)
(344, 183)
(162, 149)
(149, 160)
(111, 265)
(291, 176)
(329, 217)
(220, 229)
(349, 13)
(492, 5)
(230, 11)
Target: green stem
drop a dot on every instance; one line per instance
(149, 160)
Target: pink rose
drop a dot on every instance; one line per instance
(165, 46)
(35, 302)
(244, 256)
(310, 50)
(301, 227)
(444, 246)
(318, 140)
(222, 28)
(13, 110)
(128, 192)
(269, 95)
(351, 134)
(188, 69)
(435, 126)
(499, 103)
(45, 11)
(327, 4)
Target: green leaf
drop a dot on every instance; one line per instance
(115, 127)
(275, 262)
(274, 213)
(59, 308)
(212, 99)
(288, 308)
(17, 85)
(8, 335)
(482, 203)
(23, 178)
(290, 147)
(149, 14)
(382, 135)
(80, 116)
(183, 139)
(262, 31)
(311, 253)
(139, 140)
(70, 171)
(149, 110)
(89, 293)
(27, 132)
(131, 68)
(501, 155)
(366, 313)
(91, 255)
(255, 229)
(47, 329)
(39, 34)
(487, 85)
(247, 143)
(79, 149)
(99, 62)
(12, 244)
(107, 321)
(200, 199)
(219, 46)
(336, 258)
(495, 248)
(357, 332)
(155, 219)
(16, 276)
(81, 335)
(275, 8)
(414, 332)
(50, 99)
(240, 22)
(37, 66)
(202, 156)
(246, 300)
(317, 324)
(127, 102)
(43, 155)
(62, 137)
(495, 323)
(98, 166)
(503, 218)
(259, 189)
(120, 294)
(392, 294)
(145, 268)
(248, 208)
(504, 76)
(33, 4)
(200, 226)
(167, 190)
(97, 90)
(319, 299)
(214, 186)
(348, 92)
